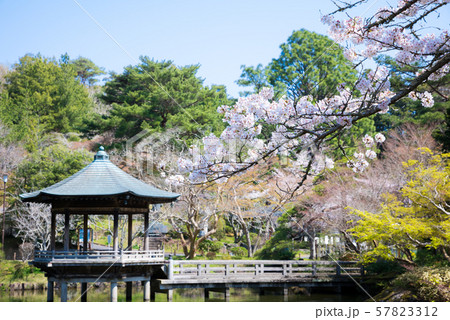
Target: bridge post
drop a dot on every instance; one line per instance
(113, 291)
(286, 294)
(50, 291)
(63, 291)
(338, 270)
(170, 271)
(362, 271)
(206, 294)
(84, 292)
(169, 295)
(199, 269)
(227, 294)
(129, 291)
(314, 269)
(147, 294)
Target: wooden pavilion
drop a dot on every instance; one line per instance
(100, 188)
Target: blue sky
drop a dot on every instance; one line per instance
(219, 35)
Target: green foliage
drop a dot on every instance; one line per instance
(309, 64)
(151, 94)
(352, 138)
(253, 77)
(210, 246)
(86, 70)
(49, 166)
(406, 110)
(429, 257)
(281, 246)
(382, 266)
(426, 283)
(239, 252)
(41, 96)
(416, 219)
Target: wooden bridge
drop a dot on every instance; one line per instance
(221, 275)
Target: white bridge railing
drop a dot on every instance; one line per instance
(149, 255)
(184, 269)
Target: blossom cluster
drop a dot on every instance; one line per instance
(393, 29)
(359, 163)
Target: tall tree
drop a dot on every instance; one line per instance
(147, 95)
(86, 70)
(309, 64)
(41, 95)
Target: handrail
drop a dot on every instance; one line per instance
(260, 268)
(99, 255)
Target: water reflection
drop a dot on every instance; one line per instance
(187, 295)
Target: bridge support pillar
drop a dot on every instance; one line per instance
(129, 291)
(113, 291)
(285, 294)
(84, 292)
(63, 291)
(227, 294)
(169, 295)
(206, 294)
(147, 293)
(50, 291)
(261, 291)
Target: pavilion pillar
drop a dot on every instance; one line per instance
(113, 291)
(85, 233)
(116, 234)
(50, 291)
(66, 231)
(52, 231)
(84, 292)
(129, 285)
(130, 232)
(146, 226)
(63, 285)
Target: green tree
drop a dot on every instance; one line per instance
(256, 77)
(417, 219)
(48, 166)
(147, 95)
(309, 64)
(40, 96)
(86, 70)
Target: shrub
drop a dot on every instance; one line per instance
(239, 252)
(427, 283)
(382, 266)
(211, 255)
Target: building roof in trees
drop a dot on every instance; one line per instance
(101, 178)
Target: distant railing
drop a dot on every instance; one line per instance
(184, 269)
(120, 256)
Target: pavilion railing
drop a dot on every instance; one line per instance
(120, 256)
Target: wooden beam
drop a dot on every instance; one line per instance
(53, 231)
(116, 233)
(85, 233)
(146, 226)
(66, 231)
(130, 232)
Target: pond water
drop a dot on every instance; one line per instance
(186, 295)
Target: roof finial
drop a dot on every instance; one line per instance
(101, 154)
